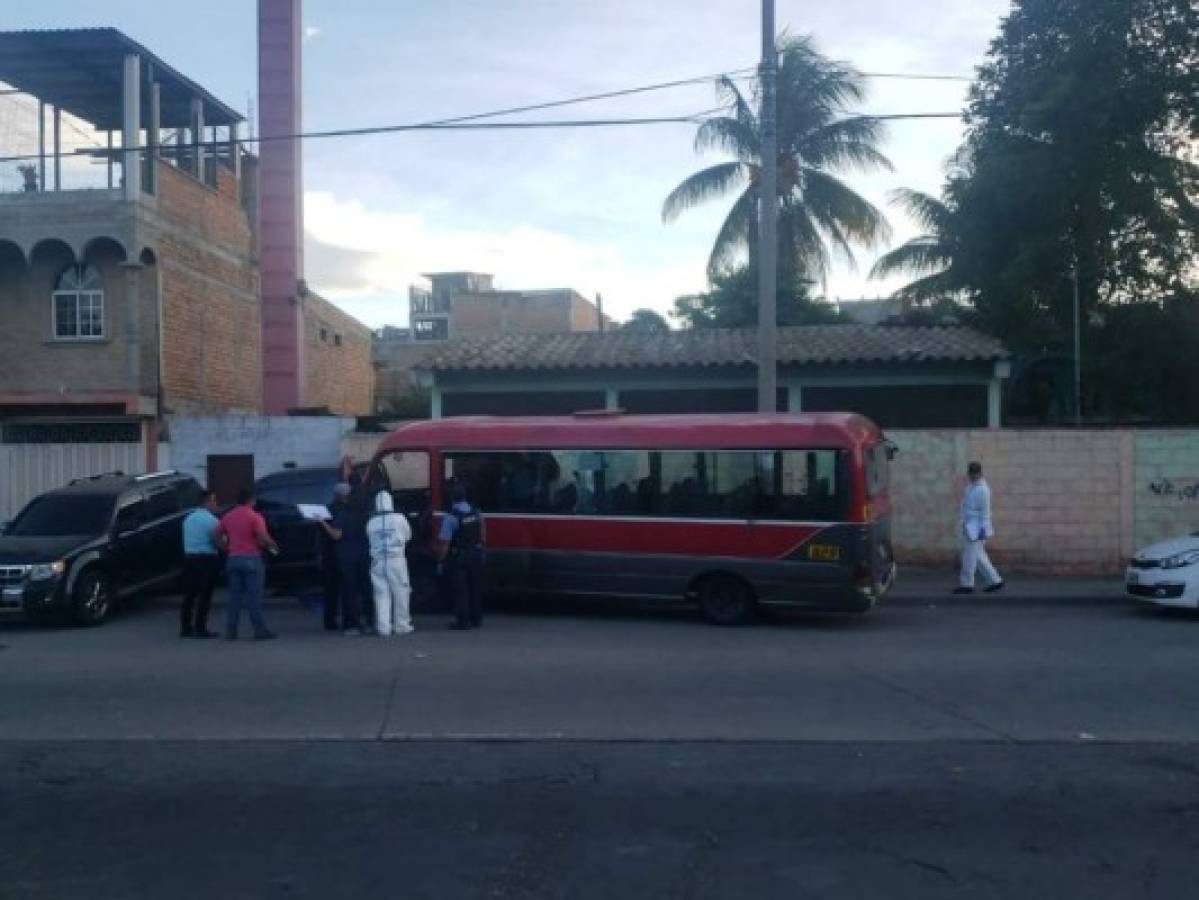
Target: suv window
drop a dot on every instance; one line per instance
(315, 492)
(131, 516)
(61, 515)
(161, 504)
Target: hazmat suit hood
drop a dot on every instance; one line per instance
(383, 503)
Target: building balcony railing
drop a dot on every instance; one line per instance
(423, 303)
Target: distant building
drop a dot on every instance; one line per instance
(464, 304)
(870, 312)
(902, 377)
(467, 304)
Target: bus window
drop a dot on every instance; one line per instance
(405, 473)
(719, 485)
(801, 485)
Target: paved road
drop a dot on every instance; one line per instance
(931, 749)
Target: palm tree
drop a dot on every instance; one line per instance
(929, 255)
(816, 137)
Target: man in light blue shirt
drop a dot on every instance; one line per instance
(201, 567)
(976, 529)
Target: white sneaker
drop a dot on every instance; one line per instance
(407, 629)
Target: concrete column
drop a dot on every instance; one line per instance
(612, 398)
(197, 120)
(41, 145)
(435, 402)
(994, 403)
(235, 152)
(154, 136)
(131, 105)
(133, 327)
(794, 398)
(1003, 370)
(57, 149)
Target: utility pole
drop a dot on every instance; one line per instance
(1077, 346)
(768, 222)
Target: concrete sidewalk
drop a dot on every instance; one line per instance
(921, 587)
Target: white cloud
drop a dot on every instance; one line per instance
(365, 259)
(311, 33)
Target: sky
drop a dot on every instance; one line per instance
(547, 208)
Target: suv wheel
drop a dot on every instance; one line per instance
(93, 598)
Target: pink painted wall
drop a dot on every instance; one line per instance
(281, 203)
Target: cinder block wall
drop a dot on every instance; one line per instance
(1065, 502)
(1167, 485)
(273, 441)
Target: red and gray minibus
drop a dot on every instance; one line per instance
(731, 512)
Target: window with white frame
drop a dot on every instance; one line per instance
(79, 305)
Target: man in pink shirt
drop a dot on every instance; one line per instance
(242, 533)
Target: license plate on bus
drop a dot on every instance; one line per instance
(824, 552)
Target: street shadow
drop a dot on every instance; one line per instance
(1163, 614)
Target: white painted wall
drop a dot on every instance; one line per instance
(27, 470)
(274, 442)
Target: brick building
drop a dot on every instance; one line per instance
(131, 290)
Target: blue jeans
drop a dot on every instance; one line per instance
(247, 580)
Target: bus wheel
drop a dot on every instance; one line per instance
(726, 600)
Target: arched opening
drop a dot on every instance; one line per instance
(78, 304)
(51, 253)
(12, 264)
(147, 257)
(104, 249)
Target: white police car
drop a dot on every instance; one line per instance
(1166, 574)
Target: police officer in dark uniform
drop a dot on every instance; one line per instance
(460, 550)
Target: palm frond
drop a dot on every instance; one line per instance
(849, 143)
(919, 256)
(701, 187)
(734, 234)
(730, 135)
(831, 200)
(929, 212)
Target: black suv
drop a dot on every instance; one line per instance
(300, 540)
(75, 551)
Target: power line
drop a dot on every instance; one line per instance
(587, 98)
(915, 76)
(451, 125)
(396, 129)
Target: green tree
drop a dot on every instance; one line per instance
(732, 302)
(646, 321)
(817, 137)
(1076, 161)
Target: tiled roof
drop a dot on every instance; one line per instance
(815, 345)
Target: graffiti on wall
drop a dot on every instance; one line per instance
(1183, 490)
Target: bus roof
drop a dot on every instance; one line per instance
(612, 430)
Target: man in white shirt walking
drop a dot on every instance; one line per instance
(976, 529)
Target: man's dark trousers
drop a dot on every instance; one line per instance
(200, 572)
(465, 571)
(357, 594)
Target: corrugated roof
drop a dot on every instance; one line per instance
(797, 346)
(81, 71)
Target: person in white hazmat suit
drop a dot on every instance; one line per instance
(388, 532)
